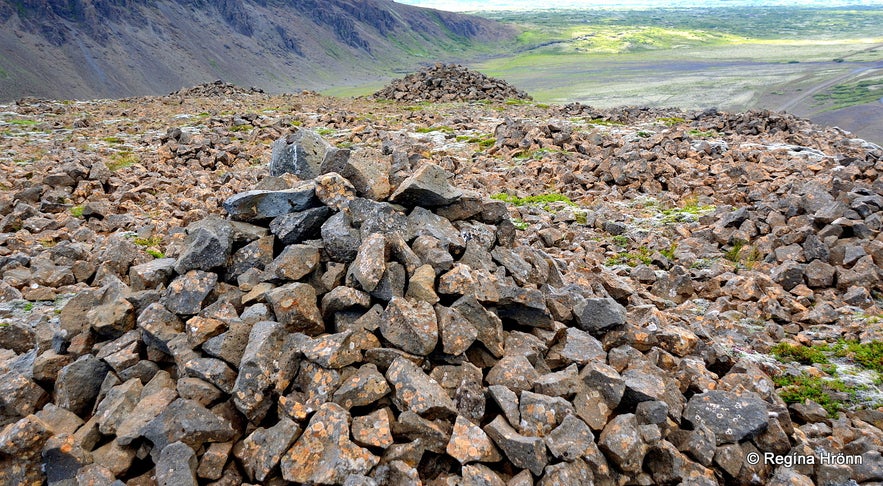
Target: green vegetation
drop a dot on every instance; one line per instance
(822, 390)
(702, 263)
(28, 307)
(684, 57)
(21, 122)
(702, 134)
(632, 259)
(670, 251)
(802, 354)
(147, 242)
(743, 255)
(542, 199)
(484, 141)
(114, 140)
(858, 93)
(868, 355)
(733, 254)
(325, 131)
(670, 121)
(122, 160)
(686, 212)
(520, 224)
(155, 253)
(620, 240)
(605, 123)
(799, 388)
(443, 129)
(77, 211)
(241, 128)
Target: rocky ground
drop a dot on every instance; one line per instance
(224, 287)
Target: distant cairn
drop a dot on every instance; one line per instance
(449, 82)
(215, 89)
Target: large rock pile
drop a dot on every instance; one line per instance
(373, 324)
(449, 82)
(217, 88)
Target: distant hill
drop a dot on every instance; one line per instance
(117, 48)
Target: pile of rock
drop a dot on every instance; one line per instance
(449, 82)
(215, 89)
(372, 324)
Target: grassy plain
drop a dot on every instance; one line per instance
(823, 64)
(730, 58)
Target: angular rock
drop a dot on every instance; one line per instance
(524, 452)
(187, 293)
(369, 265)
(304, 153)
(364, 387)
(421, 285)
(789, 274)
(525, 306)
(576, 347)
(295, 307)
(211, 464)
(456, 333)
(207, 246)
(254, 256)
(596, 315)
(622, 443)
(211, 370)
(261, 451)
(369, 174)
(295, 262)
(334, 191)
(117, 405)
(189, 422)
(148, 408)
(507, 400)
(417, 392)
(79, 383)
(377, 217)
(373, 430)
(344, 298)
(176, 466)
(479, 474)
(265, 205)
(410, 326)
(257, 369)
(298, 226)
(471, 444)
(427, 187)
(513, 372)
(340, 239)
(62, 457)
(571, 440)
(488, 325)
(113, 315)
(324, 453)
(159, 326)
(540, 413)
(423, 222)
(151, 274)
(334, 351)
(731, 417)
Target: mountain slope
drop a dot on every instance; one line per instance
(114, 48)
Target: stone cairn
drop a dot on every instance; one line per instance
(449, 82)
(217, 88)
(372, 324)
